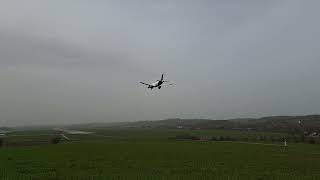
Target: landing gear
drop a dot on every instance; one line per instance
(159, 87)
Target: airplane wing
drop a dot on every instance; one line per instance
(170, 83)
(67, 131)
(65, 137)
(146, 84)
(77, 132)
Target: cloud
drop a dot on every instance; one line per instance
(79, 61)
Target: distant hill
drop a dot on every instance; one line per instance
(272, 123)
(291, 124)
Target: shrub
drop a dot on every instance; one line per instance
(214, 138)
(312, 141)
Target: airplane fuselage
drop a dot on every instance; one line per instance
(156, 84)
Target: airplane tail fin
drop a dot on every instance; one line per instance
(162, 77)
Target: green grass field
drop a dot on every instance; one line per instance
(150, 154)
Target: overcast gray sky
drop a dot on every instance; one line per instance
(81, 61)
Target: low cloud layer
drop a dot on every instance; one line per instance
(81, 61)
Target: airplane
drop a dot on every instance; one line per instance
(71, 132)
(156, 84)
(67, 131)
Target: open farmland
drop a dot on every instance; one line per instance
(154, 154)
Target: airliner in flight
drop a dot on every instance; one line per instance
(156, 84)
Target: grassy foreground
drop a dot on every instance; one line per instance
(147, 155)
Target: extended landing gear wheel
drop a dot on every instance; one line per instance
(159, 87)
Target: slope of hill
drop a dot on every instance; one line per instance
(294, 124)
(272, 123)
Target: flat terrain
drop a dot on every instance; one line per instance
(153, 154)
